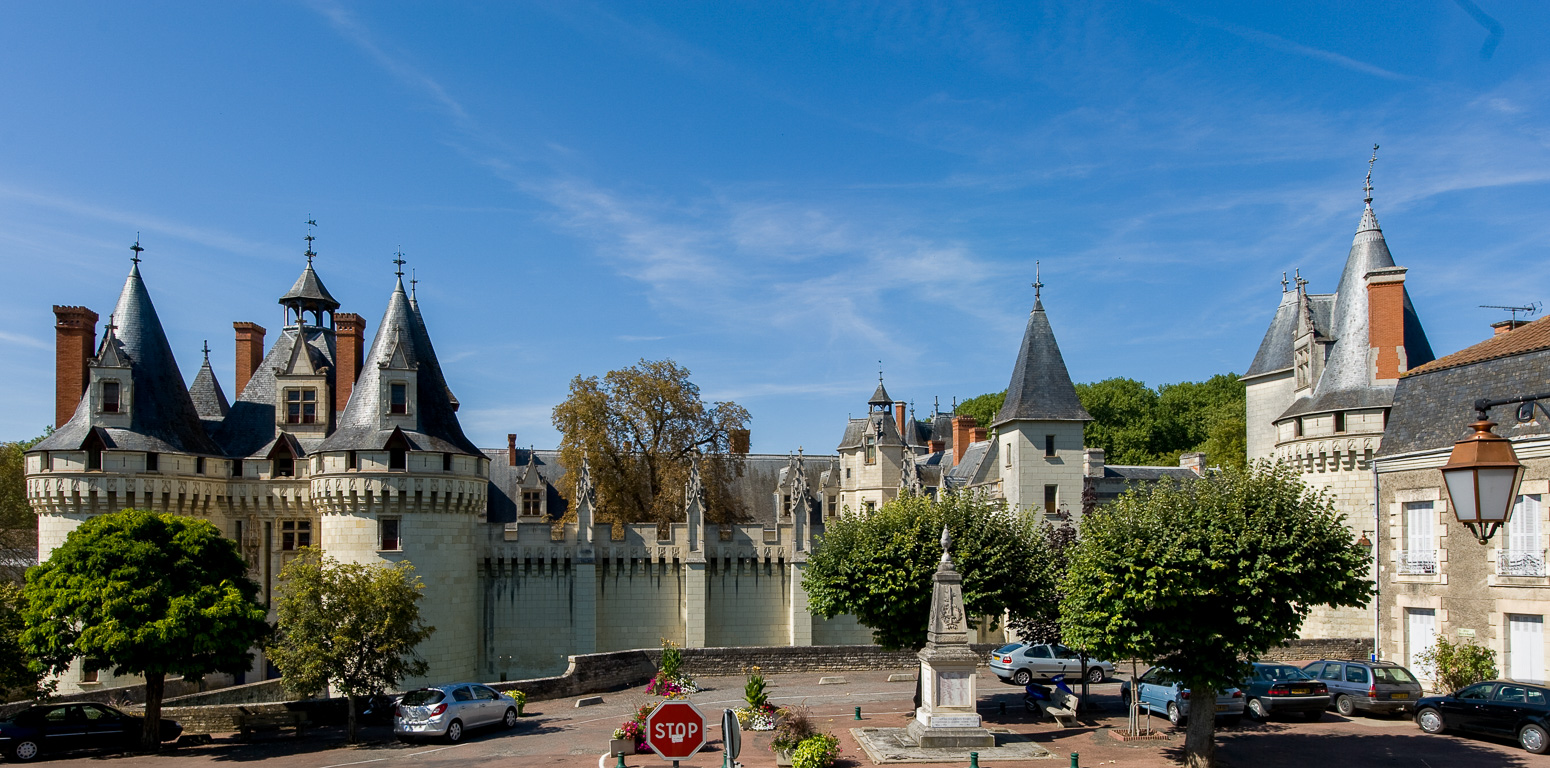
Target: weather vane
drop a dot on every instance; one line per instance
(1367, 186)
(137, 249)
(879, 371)
(311, 222)
(400, 262)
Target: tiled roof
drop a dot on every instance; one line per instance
(309, 293)
(209, 399)
(1528, 338)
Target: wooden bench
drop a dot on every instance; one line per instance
(249, 722)
(1062, 709)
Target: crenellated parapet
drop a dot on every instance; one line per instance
(69, 493)
(543, 543)
(373, 493)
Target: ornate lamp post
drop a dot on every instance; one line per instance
(1483, 472)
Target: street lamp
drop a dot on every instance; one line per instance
(1483, 472)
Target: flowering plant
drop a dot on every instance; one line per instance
(816, 751)
(670, 680)
(759, 715)
(634, 729)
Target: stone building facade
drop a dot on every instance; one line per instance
(1319, 390)
(1436, 579)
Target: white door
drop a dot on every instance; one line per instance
(1526, 647)
(1421, 636)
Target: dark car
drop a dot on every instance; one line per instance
(49, 729)
(1275, 689)
(1507, 708)
(1369, 686)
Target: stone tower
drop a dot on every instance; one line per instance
(871, 454)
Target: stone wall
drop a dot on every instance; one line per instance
(116, 696)
(1311, 649)
(263, 691)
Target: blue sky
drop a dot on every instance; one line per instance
(775, 195)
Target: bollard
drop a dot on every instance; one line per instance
(858, 713)
(620, 764)
(974, 760)
(1074, 763)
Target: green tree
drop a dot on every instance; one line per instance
(144, 593)
(639, 428)
(1127, 422)
(1199, 576)
(1206, 416)
(15, 513)
(878, 567)
(983, 407)
(348, 626)
(19, 675)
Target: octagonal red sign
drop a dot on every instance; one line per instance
(675, 730)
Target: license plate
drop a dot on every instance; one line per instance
(1399, 695)
(1221, 707)
(1301, 691)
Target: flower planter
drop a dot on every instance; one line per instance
(783, 757)
(623, 747)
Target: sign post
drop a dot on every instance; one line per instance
(731, 738)
(675, 730)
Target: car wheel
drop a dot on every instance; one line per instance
(1257, 710)
(511, 718)
(1174, 715)
(1344, 705)
(1430, 720)
(1314, 715)
(454, 731)
(1095, 675)
(25, 751)
(1533, 739)
(1022, 677)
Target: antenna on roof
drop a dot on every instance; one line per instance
(1367, 186)
(311, 222)
(1531, 309)
(137, 249)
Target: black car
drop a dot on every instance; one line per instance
(1275, 689)
(1506, 708)
(48, 729)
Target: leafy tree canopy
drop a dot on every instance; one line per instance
(1200, 575)
(14, 510)
(19, 675)
(878, 567)
(640, 427)
(983, 408)
(347, 625)
(144, 593)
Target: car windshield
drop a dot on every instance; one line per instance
(1009, 648)
(423, 697)
(1392, 675)
(1278, 673)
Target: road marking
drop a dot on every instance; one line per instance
(357, 762)
(438, 749)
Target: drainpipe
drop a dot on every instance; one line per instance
(1377, 583)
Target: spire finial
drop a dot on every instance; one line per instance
(110, 327)
(879, 372)
(1038, 283)
(137, 249)
(207, 351)
(400, 262)
(413, 281)
(1367, 186)
(1283, 281)
(311, 222)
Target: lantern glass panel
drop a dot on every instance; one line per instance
(1461, 491)
(1498, 487)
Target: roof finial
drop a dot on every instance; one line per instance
(137, 249)
(400, 262)
(1038, 283)
(207, 351)
(413, 281)
(1367, 186)
(110, 327)
(1283, 281)
(879, 372)
(311, 222)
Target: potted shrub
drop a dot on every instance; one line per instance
(520, 698)
(792, 727)
(760, 714)
(816, 751)
(671, 681)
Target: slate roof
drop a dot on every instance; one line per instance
(249, 428)
(1041, 389)
(1275, 350)
(1434, 406)
(209, 399)
(436, 425)
(977, 466)
(856, 429)
(162, 416)
(309, 293)
(880, 395)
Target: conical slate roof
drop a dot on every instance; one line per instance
(436, 425)
(1041, 389)
(250, 429)
(162, 416)
(209, 400)
(880, 396)
(309, 293)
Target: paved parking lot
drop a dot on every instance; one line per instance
(555, 733)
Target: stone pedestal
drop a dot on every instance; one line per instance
(948, 716)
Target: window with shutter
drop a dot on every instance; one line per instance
(1420, 545)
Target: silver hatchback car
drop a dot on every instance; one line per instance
(450, 710)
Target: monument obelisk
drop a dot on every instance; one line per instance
(947, 716)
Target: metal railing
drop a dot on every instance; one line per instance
(1418, 562)
(1514, 562)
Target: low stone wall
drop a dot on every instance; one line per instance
(222, 718)
(127, 695)
(776, 659)
(263, 691)
(1322, 648)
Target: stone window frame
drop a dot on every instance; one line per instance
(1399, 530)
(118, 396)
(301, 402)
(397, 539)
(299, 526)
(536, 497)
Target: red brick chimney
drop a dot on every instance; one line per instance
(250, 352)
(1386, 322)
(1507, 325)
(936, 446)
(349, 348)
(898, 418)
(511, 450)
(963, 429)
(979, 435)
(75, 340)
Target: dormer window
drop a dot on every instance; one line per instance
(532, 502)
(110, 397)
(871, 449)
(301, 406)
(446, 462)
(398, 398)
(284, 466)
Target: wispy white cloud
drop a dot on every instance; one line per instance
(136, 221)
(23, 340)
(1279, 43)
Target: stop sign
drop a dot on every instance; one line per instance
(675, 730)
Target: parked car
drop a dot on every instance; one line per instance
(1020, 663)
(1274, 689)
(1370, 686)
(449, 711)
(49, 729)
(1159, 694)
(1497, 708)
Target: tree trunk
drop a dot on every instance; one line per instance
(350, 717)
(150, 736)
(1200, 736)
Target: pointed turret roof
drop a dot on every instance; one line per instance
(309, 293)
(209, 400)
(1041, 389)
(436, 428)
(880, 395)
(162, 416)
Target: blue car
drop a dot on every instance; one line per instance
(1160, 695)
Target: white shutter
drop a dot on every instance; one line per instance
(1526, 647)
(1419, 543)
(1523, 528)
(1421, 637)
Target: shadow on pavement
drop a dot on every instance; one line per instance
(1276, 745)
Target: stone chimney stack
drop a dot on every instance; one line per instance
(1386, 323)
(898, 420)
(350, 350)
(963, 428)
(511, 450)
(1092, 462)
(75, 341)
(250, 352)
(1194, 462)
(936, 446)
